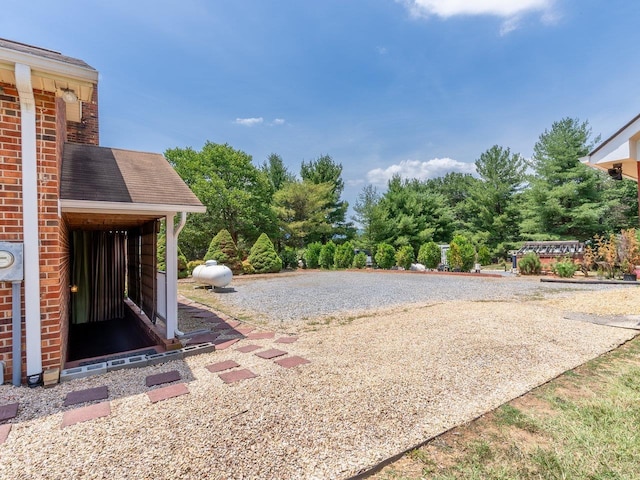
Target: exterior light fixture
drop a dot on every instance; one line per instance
(74, 288)
(69, 96)
(616, 172)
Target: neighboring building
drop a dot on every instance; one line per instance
(86, 215)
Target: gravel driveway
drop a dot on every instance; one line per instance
(307, 295)
(375, 386)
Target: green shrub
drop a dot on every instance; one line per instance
(289, 258)
(530, 264)
(263, 256)
(343, 256)
(430, 255)
(183, 272)
(565, 269)
(247, 268)
(385, 255)
(223, 250)
(326, 255)
(461, 254)
(193, 264)
(404, 257)
(360, 260)
(312, 255)
(484, 255)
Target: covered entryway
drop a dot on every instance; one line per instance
(112, 202)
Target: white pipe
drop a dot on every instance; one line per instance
(183, 221)
(31, 236)
(16, 339)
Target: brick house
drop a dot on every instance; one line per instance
(62, 197)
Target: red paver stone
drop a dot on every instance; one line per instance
(84, 414)
(165, 393)
(88, 395)
(4, 433)
(244, 330)
(161, 378)
(248, 348)
(286, 340)
(222, 344)
(202, 338)
(8, 411)
(261, 335)
(237, 375)
(271, 353)
(222, 366)
(291, 362)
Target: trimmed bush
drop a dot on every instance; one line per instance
(193, 264)
(461, 254)
(247, 268)
(289, 258)
(430, 255)
(263, 256)
(484, 255)
(565, 269)
(343, 256)
(223, 250)
(183, 272)
(530, 264)
(385, 255)
(404, 257)
(359, 260)
(312, 255)
(326, 255)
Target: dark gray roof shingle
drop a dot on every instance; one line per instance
(103, 174)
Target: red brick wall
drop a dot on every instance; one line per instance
(10, 208)
(86, 131)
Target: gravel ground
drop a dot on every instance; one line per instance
(318, 294)
(377, 385)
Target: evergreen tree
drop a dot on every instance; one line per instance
(223, 250)
(263, 257)
(565, 199)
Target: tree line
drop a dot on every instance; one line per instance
(551, 196)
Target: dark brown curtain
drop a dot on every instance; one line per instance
(98, 270)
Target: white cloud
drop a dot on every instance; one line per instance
(249, 122)
(433, 168)
(382, 50)
(278, 121)
(510, 10)
(500, 8)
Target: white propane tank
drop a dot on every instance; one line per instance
(212, 274)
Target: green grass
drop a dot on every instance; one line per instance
(585, 425)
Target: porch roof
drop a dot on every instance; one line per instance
(621, 148)
(123, 182)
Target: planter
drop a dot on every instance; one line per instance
(629, 277)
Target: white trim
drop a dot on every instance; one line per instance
(50, 65)
(31, 236)
(90, 206)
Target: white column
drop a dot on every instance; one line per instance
(30, 220)
(172, 277)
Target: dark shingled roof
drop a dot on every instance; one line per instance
(102, 174)
(42, 52)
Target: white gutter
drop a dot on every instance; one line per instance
(90, 206)
(31, 236)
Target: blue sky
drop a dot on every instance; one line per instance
(416, 87)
